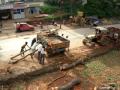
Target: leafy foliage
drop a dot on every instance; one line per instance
(49, 9)
(102, 8)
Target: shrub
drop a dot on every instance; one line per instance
(48, 9)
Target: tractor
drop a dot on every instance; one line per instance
(103, 36)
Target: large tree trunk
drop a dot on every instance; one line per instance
(68, 86)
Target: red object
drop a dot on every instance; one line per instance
(24, 27)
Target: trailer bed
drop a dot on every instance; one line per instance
(54, 43)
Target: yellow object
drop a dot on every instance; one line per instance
(80, 13)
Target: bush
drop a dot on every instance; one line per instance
(100, 8)
(48, 9)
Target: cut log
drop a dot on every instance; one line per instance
(13, 61)
(74, 64)
(18, 54)
(17, 60)
(69, 86)
(11, 78)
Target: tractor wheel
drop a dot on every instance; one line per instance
(84, 41)
(88, 43)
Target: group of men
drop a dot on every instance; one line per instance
(35, 46)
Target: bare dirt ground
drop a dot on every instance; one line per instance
(99, 70)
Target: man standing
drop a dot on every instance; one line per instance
(33, 41)
(23, 48)
(42, 58)
(39, 47)
(34, 48)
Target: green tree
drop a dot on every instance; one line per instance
(102, 8)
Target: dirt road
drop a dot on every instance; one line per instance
(10, 44)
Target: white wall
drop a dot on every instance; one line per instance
(0, 1)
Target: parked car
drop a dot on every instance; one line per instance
(92, 20)
(20, 27)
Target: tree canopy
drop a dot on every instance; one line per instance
(103, 8)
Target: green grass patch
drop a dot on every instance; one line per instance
(106, 66)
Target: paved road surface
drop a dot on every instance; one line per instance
(12, 46)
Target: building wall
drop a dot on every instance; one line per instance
(29, 13)
(0, 2)
(31, 9)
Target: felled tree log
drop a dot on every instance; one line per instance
(13, 61)
(72, 65)
(17, 60)
(68, 86)
(11, 78)
(18, 54)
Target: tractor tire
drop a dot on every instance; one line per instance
(88, 43)
(18, 31)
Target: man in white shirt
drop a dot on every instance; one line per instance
(42, 58)
(33, 49)
(39, 47)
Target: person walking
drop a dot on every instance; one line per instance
(23, 48)
(42, 57)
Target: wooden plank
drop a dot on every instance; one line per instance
(13, 61)
(18, 54)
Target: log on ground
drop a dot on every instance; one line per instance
(68, 86)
